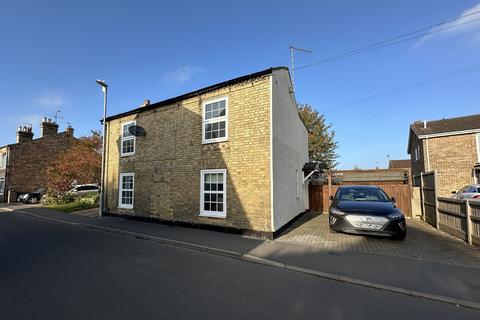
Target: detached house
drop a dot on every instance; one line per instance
(229, 155)
(23, 164)
(450, 146)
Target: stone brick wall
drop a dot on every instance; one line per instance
(168, 159)
(453, 157)
(28, 161)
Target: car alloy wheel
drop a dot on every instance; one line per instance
(32, 200)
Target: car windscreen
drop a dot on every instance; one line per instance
(361, 194)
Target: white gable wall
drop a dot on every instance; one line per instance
(289, 153)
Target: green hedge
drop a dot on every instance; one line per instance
(74, 204)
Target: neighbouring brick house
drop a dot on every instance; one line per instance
(449, 146)
(400, 164)
(229, 155)
(23, 164)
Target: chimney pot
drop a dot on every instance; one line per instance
(47, 127)
(145, 103)
(24, 135)
(69, 131)
(424, 124)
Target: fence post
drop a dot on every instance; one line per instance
(437, 213)
(468, 215)
(422, 196)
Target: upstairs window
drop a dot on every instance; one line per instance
(215, 122)
(126, 189)
(417, 153)
(478, 147)
(3, 161)
(128, 140)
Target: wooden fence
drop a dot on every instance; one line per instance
(460, 218)
(319, 196)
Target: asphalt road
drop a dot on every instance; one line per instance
(50, 270)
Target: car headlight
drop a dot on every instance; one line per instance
(395, 215)
(337, 211)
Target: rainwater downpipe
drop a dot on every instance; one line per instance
(428, 153)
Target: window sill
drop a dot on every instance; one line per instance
(125, 207)
(123, 155)
(214, 141)
(213, 215)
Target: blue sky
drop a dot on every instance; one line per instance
(52, 51)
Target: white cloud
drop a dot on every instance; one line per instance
(469, 28)
(51, 100)
(182, 74)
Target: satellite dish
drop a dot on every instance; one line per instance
(136, 131)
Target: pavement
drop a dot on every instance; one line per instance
(407, 275)
(54, 266)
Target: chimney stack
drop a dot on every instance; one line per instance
(145, 103)
(69, 131)
(48, 127)
(24, 134)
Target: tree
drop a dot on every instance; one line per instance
(79, 164)
(321, 137)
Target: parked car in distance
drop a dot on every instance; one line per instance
(468, 192)
(83, 189)
(366, 210)
(31, 197)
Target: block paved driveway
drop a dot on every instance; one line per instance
(423, 242)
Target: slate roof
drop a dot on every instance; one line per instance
(197, 92)
(447, 125)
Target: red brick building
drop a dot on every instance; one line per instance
(23, 164)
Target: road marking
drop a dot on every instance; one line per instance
(267, 262)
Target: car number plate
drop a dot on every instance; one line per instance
(373, 226)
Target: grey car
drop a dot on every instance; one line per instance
(83, 189)
(468, 192)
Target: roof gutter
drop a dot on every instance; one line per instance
(446, 134)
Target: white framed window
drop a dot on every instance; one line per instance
(478, 146)
(417, 153)
(213, 195)
(126, 190)
(215, 120)
(128, 140)
(2, 185)
(3, 160)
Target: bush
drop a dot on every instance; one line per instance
(71, 204)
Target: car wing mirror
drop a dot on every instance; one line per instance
(330, 198)
(393, 199)
(454, 192)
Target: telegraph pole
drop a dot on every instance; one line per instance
(292, 57)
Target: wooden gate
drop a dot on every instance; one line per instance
(319, 196)
(428, 196)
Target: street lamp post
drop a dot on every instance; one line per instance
(104, 86)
